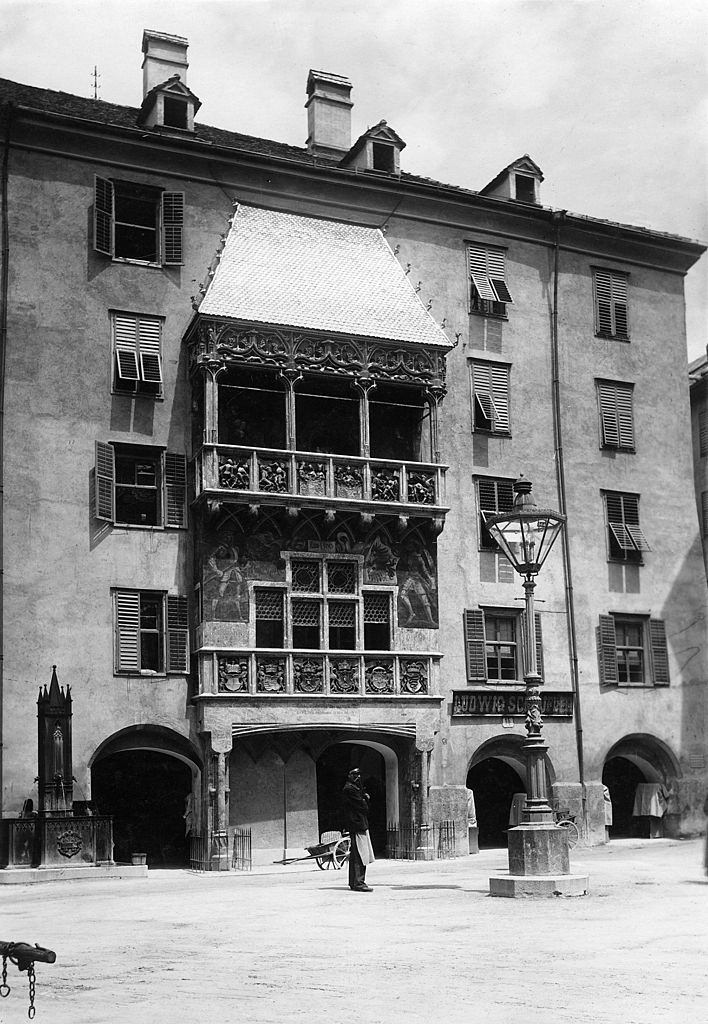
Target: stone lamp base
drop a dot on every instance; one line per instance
(539, 864)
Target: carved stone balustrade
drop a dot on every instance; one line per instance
(318, 673)
(230, 473)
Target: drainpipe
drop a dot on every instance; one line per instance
(4, 289)
(558, 219)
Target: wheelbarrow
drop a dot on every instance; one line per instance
(332, 851)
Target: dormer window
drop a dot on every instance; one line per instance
(174, 113)
(378, 149)
(169, 105)
(525, 188)
(383, 157)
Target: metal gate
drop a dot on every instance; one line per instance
(421, 841)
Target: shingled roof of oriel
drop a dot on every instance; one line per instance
(324, 275)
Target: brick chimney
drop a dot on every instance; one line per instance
(165, 56)
(329, 115)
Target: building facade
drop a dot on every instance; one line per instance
(258, 401)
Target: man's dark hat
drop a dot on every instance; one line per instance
(355, 771)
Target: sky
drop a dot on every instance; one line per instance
(609, 97)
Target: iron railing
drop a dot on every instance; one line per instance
(241, 858)
(209, 852)
(436, 841)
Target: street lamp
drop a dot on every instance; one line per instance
(538, 849)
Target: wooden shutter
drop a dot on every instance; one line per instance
(175, 498)
(603, 301)
(482, 388)
(500, 396)
(496, 270)
(177, 634)
(127, 630)
(611, 303)
(619, 305)
(625, 417)
(538, 640)
(105, 470)
(703, 433)
(704, 513)
(607, 651)
(475, 645)
(631, 522)
(125, 340)
(538, 635)
(103, 216)
(608, 414)
(172, 228)
(149, 344)
(659, 652)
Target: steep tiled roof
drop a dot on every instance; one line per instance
(100, 112)
(324, 275)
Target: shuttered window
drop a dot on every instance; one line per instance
(138, 222)
(616, 414)
(140, 486)
(495, 645)
(489, 293)
(493, 495)
(490, 397)
(611, 318)
(704, 513)
(137, 346)
(625, 537)
(151, 632)
(632, 651)
(703, 433)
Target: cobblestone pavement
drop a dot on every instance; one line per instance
(293, 944)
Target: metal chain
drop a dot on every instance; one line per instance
(4, 988)
(30, 978)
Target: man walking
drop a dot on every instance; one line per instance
(356, 816)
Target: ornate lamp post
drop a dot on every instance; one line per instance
(538, 849)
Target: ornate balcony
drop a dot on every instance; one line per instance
(258, 476)
(264, 673)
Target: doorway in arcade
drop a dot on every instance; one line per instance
(494, 783)
(145, 791)
(286, 787)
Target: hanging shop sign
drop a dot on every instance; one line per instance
(480, 703)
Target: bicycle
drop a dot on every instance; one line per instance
(567, 821)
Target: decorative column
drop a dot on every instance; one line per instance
(364, 385)
(216, 813)
(435, 395)
(291, 376)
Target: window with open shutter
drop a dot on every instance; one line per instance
(105, 471)
(103, 216)
(616, 414)
(489, 290)
(177, 634)
(475, 645)
(611, 317)
(626, 540)
(127, 630)
(493, 495)
(175, 477)
(172, 228)
(137, 343)
(490, 396)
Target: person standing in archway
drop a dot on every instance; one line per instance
(356, 816)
